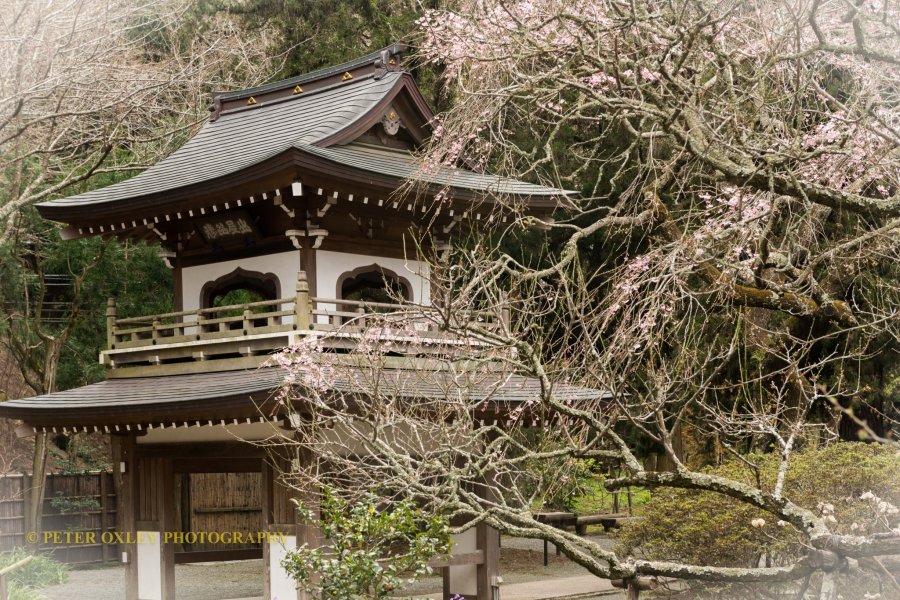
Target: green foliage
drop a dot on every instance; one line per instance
(139, 281)
(551, 483)
(558, 484)
(83, 454)
(595, 499)
(132, 273)
(375, 549)
(40, 572)
(336, 31)
(320, 33)
(238, 296)
(68, 505)
(704, 528)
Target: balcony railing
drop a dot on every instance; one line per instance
(242, 331)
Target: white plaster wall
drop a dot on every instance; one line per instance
(281, 586)
(284, 265)
(331, 265)
(464, 578)
(149, 565)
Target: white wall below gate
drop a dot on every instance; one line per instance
(149, 565)
(281, 586)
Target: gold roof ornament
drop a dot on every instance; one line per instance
(391, 122)
(251, 101)
(298, 90)
(347, 76)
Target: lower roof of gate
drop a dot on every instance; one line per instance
(251, 394)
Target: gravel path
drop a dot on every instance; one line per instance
(521, 560)
(201, 581)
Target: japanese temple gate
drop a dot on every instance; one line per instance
(288, 192)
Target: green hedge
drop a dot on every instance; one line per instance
(706, 528)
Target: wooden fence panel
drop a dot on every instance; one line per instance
(12, 511)
(72, 503)
(210, 502)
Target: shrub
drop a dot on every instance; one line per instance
(374, 550)
(853, 484)
(40, 572)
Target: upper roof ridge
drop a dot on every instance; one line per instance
(377, 63)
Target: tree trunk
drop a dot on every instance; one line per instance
(828, 591)
(665, 463)
(34, 509)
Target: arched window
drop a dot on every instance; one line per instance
(373, 284)
(239, 287)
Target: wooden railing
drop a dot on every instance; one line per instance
(246, 327)
(268, 316)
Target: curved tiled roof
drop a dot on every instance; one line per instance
(136, 398)
(250, 132)
(401, 164)
(242, 138)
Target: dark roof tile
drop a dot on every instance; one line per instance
(141, 395)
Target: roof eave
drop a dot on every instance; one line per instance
(274, 172)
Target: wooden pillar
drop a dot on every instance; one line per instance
(154, 557)
(487, 540)
(104, 517)
(266, 480)
(177, 285)
(280, 519)
(309, 533)
(484, 539)
(166, 498)
(124, 481)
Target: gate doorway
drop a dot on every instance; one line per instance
(219, 503)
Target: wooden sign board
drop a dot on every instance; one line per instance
(233, 225)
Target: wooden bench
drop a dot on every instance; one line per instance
(564, 520)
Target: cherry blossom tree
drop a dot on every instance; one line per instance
(728, 263)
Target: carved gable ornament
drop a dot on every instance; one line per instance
(391, 121)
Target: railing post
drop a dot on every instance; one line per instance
(110, 323)
(247, 323)
(301, 305)
(201, 318)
